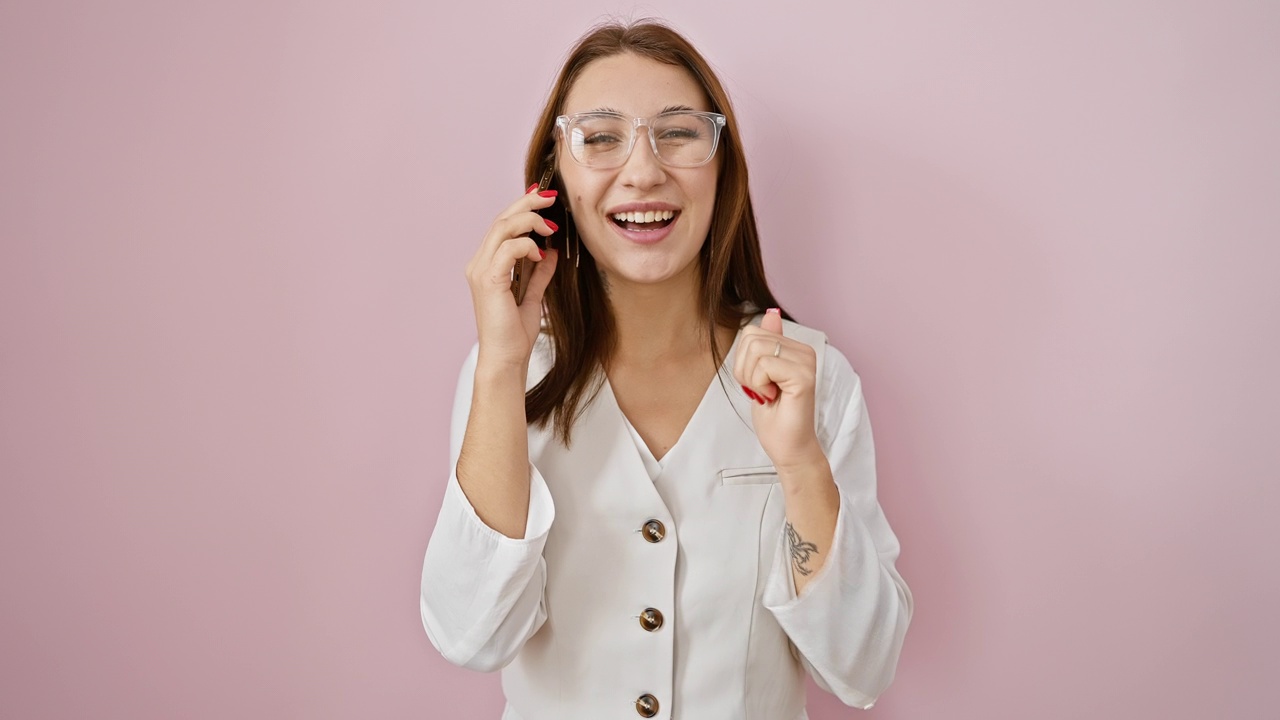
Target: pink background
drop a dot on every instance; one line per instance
(232, 313)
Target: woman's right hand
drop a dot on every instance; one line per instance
(507, 331)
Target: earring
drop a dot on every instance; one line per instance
(571, 239)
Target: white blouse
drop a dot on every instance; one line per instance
(617, 542)
(652, 465)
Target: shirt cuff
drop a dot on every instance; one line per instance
(537, 524)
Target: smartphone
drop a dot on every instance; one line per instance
(523, 270)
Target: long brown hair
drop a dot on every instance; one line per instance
(579, 318)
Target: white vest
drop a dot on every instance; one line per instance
(718, 652)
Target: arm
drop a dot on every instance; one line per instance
(780, 375)
(493, 467)
(813, 506)
(482, 590)
(483, 574)
(850, 617)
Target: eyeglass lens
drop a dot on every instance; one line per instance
(603, 140)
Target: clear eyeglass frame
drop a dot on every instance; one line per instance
(716, 119)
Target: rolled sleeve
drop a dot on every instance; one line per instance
(482, 592)
(849, 623)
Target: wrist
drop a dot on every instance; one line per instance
(500, 373)
(806, 469)
(803, 459)
(500, 364)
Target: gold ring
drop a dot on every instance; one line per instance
(778, 349)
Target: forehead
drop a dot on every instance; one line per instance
(634, 85)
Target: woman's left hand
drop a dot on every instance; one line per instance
(781, 373)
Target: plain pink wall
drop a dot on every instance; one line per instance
(232, 313)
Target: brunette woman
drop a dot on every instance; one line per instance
(663, 492)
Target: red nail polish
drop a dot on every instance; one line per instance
(531, 188)
(548, 193)
(554, 227)
(751, 393)
(541, 255)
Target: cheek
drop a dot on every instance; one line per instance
(713, 184)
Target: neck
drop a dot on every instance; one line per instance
(658, 323)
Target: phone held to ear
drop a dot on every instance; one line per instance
(524, 267)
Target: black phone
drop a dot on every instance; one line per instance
(524, 267)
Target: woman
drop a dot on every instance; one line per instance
(625, 531)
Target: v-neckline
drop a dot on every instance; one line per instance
(697, 411)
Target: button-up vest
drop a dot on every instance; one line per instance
(653, 590)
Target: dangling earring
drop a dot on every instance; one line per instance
(571, 239)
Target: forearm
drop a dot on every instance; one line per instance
(493, 465)
(812, 506)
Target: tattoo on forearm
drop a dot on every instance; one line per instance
(800, 550)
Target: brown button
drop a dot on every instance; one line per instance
(650, 619)
(647, 705)
(654, 531)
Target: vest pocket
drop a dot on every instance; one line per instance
(759, 475)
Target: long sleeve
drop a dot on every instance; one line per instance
(849, 623)
(482, 592)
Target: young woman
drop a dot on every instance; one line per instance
(663, 500)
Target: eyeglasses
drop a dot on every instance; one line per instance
(604, 140)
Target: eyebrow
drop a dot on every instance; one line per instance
(667, 109)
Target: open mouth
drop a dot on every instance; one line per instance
(644, 221)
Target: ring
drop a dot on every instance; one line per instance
(778, 349)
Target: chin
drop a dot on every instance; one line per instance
(645, 264)
(651, 270)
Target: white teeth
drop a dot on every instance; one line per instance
(644, 217)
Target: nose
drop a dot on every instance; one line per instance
(642, 168)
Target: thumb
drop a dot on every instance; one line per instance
(772, 321)
(542, 274)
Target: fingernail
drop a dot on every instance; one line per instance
(531, 188)
(554, 227)
(541, 255)
(548, 193)
(773, 311)
(751, 393)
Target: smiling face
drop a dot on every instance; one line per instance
(655, 252)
